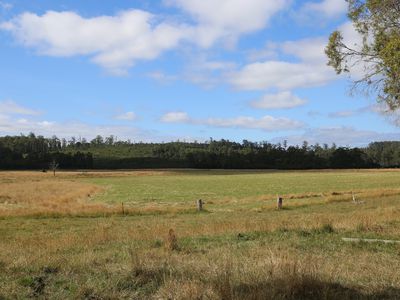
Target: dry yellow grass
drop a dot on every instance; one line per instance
(110, 261)
(33, 193)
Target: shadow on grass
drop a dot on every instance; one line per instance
(306, 288)
(289, 288)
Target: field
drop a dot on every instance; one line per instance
(138, 235)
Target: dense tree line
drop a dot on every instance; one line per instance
(36, 152)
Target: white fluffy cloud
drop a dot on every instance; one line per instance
(117, 42)
(15, 126)
(380, 109)
(266, 123)
(114, 42)
(227, 19)
(278, 101)
(175, 117)
(11, 107)
(350, 35)
(280, 74)
(23, 121)
(343, 136)
(309, 70)
(384, 111)
(311, 50)
(325, 8)
(127, 116)
(206, 72)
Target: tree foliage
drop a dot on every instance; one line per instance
(37, 152)
(378, 54)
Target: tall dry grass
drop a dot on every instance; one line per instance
(27, 196)
(109, 268)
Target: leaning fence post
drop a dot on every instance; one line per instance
(279, 202)
(200, 205)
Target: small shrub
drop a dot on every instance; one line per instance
(38, 284)
(26, 281)
(243, 237)
(327, 228)
(157, 243)
(303, 233)
(3, 265)
(89, 294)
(360, 227)
(50, 270)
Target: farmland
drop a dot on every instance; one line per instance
(106, 235)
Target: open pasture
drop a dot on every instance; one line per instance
(105, 235)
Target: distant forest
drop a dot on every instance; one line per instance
(37, 152)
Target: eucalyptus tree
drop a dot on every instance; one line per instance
(376, 58)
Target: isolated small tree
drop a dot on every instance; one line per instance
(53, 166)
(378, 55)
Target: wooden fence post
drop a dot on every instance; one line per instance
(200, 205)
(279, 201)
(123, 209)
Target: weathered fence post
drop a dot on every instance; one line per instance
(123, 209)
(200, 205)
(279, 202)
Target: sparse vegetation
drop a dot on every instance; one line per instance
(65, 237)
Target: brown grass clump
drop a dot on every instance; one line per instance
(172, 241)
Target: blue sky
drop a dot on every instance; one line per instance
(181, 69)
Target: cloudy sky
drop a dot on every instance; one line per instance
(164, 70)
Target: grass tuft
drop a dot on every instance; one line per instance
(327, 228)
(172, 241)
